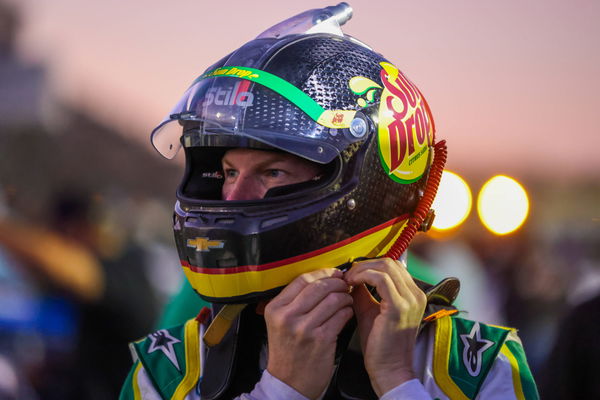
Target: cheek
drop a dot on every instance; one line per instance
(226, 190)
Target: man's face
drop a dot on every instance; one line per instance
(249, 174)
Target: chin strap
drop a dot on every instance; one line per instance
(422, 217)
(221, 323)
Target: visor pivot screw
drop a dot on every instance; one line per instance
(351, 204)
(358, 127)
(320, 150)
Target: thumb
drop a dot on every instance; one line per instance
(364, 302)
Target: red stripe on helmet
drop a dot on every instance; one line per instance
(300, 257)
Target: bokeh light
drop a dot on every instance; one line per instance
(452, 203)
(502, 205)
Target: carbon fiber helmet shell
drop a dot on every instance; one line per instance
(244, 251)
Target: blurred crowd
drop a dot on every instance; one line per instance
(87, 260)
(74, 292)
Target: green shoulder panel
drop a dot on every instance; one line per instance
(162, 354)
(474, 347)
(525, 378)
(464, 352)
(127, 391)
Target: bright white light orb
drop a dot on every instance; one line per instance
(502, 205)
(453, 202)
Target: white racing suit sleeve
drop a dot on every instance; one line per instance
(146, 387)
(412, 390)
(500, 384)
(271, 388)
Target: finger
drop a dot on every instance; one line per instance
(410, 282)
(383, 284)
(388, 266)
(332, 327)
(363, 299)
(289, 293)
(313, 294)
(326, 309)
(366, 309)
(400, 312)
(404, 282)
(381, 264)
(364, 304)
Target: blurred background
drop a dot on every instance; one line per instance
(514, 89)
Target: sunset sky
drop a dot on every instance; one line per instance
(514, 85)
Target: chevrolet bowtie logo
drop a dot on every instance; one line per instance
(204, 244)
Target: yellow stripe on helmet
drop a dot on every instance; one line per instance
(226, 285)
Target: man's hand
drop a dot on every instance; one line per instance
(303, 323)
(388, 329)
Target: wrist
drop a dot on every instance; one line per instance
(296, 382)
(385, 381)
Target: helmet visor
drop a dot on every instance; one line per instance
(246, 103)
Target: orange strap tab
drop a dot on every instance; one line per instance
(439, 314)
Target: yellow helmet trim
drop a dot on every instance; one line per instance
(240, 281)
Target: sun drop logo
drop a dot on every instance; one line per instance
(237, 95)
(405, 130)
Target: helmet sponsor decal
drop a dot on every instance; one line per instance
(213, 175)
(336, 118)
(205, 244)
(362, 86)
(330, 118)
(405, 127)
(235, 72)
(405, 130)
(238, 95)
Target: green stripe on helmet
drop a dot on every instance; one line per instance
(273, 82)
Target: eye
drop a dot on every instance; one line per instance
(274, 173)
(231, 173)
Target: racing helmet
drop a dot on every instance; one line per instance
(306, 88)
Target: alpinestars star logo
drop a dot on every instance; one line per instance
(474, 349)
(163, 341)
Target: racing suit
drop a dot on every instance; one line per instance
(454, 358)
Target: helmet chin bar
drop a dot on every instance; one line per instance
(422, 217)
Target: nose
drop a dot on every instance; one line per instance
(243, 188)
